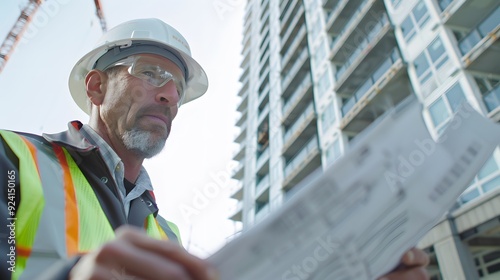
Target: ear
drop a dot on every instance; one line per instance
(94, 84)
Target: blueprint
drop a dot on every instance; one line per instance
(355, 219)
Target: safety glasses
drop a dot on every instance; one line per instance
(152, 71)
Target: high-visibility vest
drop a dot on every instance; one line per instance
(59, 215)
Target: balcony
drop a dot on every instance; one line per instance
(246, 59)
(357, 53)
(492, 99)
(244, 88)
(443, 4)
(360, 22)
(243, 118)
(292, 8)
(481, 47)
(237, 191)
(262, 184)
(297, 66)
(240, 153)
(291, 31)
(244, 75)
(300, 123)
(262, 213)
(298, 97)
(302, 129)
(263, 113)
(372, 80)
(243, 104)
(242, 134)
(465, 14)
(334, 23)
(371, 52)
(304, 163)
(387, 86)
(238, 171)
(330, 5)
(237, 211)
(296, 44)
(262, 157)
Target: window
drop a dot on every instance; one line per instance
(490, 90)
(417, 17)
(443, 108)
(488, 263)
(439, 112)
(486, 180)
(430, 60)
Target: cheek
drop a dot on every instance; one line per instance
(139, 91)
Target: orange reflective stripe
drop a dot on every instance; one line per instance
(23, 251)
(70, 205)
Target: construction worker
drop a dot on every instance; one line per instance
(79, 204)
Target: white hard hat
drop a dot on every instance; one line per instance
(151, 36)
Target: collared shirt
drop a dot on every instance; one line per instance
(116, 168)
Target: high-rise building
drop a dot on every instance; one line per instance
(316, 73)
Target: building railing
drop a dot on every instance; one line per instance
(492, 98)
(443, 4)
(308, 149)
(371, 35)
(353, 19)
(295, 68)
(334, 13)
(263, 183)
(238, 207)
(236, 188)
(481, 31)
(299, 122)
(292, 25)
(262, 213)
(377, 74)
(306, 83)
(293, 45)
(262, 157)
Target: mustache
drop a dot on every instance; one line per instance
(158, 110)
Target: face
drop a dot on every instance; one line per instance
(138, 114)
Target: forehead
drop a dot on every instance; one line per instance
(161, 61)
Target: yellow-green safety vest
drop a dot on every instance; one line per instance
(51, 181)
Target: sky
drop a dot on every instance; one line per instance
(192, 174)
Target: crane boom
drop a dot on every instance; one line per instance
(17, 31)
(100, 15)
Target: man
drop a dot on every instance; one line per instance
(80, 204)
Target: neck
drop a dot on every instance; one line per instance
(132, 162)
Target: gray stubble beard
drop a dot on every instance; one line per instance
(142, 142)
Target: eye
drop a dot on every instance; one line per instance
(149, 74)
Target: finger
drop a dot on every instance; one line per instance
(125, 259)
(171, 252)
(87, 268)
(415, 257)
(416, 273)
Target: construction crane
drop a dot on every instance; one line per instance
(16, 32)
(100, 15)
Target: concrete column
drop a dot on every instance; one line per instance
(454, 258)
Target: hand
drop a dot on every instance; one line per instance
(134, 255)
(412, 267)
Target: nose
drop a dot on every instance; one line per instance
(168, 95)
